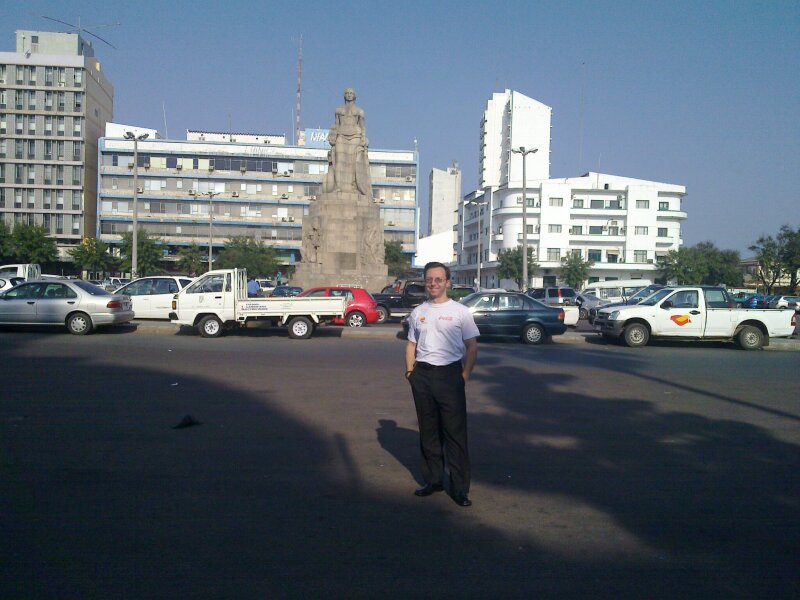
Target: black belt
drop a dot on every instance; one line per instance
(429, 367)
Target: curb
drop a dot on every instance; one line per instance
(383, 332)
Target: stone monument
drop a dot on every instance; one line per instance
(343, 232)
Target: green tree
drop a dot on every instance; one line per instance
(192, 260)
(509, 265)
(246, 253)
(93, 255)
(718, 267)
(789, 243)
(574, 270)
(149, 256)
(395, 259)
(6, 243)
(683, 266)
(32, 244)
(768, 257)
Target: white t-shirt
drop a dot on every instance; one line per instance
(439, 330)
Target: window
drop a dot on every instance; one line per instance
(60, 199)
(576, 230)
(78, 101)
(662, 232)
(577, 203)
(640, 230)
(643, 204)
(615, 204)
(594, 255)
(556, 202)
(78, 77)
(47, 199)
(554, 228)
(554, 254)
(596, 204)
(640, 256)
(611, 258)
(510, 302)
(31, 199)
(61, 125)
(76, 199)
(595, 230)
(663, 206)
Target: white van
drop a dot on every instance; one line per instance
(28, 272)
(616, 290)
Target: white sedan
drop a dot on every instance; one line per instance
(152, 296)
(7, 282)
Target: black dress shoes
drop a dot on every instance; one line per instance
(429, 489)
(462, 499)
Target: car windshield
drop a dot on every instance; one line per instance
(90, 288)
(657, 297)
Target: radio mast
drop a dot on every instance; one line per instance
(299, 87)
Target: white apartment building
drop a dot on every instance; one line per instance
(206, 191)
(443, 199)
(624, 226)
(54, 104)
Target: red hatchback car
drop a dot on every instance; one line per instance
(361, 307)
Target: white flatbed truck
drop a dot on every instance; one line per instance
(218, 300)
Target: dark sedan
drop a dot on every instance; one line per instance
(286, 290)
(511, 314)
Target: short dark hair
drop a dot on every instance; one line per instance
(434, 265)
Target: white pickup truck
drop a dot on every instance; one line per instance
(694, 313)
(218, 299)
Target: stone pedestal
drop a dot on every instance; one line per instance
(342, 243)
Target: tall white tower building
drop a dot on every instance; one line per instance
(512, 120)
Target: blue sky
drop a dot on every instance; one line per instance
(703, 94)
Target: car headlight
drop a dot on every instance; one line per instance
(613, 316)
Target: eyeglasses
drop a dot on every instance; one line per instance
(437, 280)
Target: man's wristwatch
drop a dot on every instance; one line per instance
(408, 374)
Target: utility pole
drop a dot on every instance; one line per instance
(210, 224)
(524, 154)
(129, 135)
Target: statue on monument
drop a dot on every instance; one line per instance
(349, 165)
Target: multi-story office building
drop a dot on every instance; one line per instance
(54, 104)
(201, 191)
(624, 226)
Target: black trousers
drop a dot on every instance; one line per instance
(442, 415)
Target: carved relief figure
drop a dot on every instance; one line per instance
(311, 243)
(349, 164)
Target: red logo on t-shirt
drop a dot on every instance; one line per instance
(445, 318)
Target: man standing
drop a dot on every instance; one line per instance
(441, 334)
(253, 289)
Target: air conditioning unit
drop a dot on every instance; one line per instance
(621, 230)
(179, 166)
(390, 224)
(287, 173)
(210, 167)
(60, 157)
(605, 227)
(613, 223)
(291, 219)
(146, 165)
(283, 219)
(312, 198)
(243, 168)
(274, 171)
(284, 196)
(192, 192)
(235, 194)
(409, 179)
(130, 166)
(140, 190)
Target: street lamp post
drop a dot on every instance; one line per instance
(129, 135)
(524, 154)
(479, 204)
(210, 223)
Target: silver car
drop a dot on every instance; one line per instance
(76, 304)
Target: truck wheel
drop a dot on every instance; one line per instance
(356, 319)
(636, 335)
(210, 327)
(383, 314)
(534, 334)
(79, 324)
(300, 328)
(750, 338)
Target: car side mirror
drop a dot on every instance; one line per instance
(666, 304)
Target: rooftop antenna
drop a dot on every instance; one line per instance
(299, 87)
(80, 30)
(164, 111)
(580, 131)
